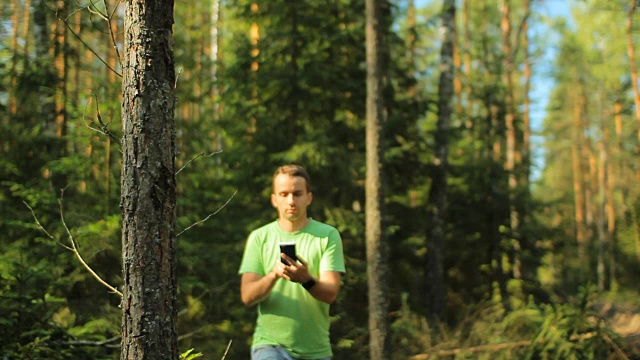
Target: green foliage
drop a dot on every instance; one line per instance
(571, 330)
(305, 103)
(189, 355)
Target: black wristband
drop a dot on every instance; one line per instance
(309, 284)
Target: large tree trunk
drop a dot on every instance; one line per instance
(436, 289)
(148, 183)
(377, 253)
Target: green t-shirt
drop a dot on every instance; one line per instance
(290, 316)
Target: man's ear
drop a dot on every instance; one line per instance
(310, 198)
(273, 200)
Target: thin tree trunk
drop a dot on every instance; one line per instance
(601, 219)
(578, 191)
(496, 201)
(42, 45)
(293, 69)
(632, 62)
(457, 82)
(148, 183)
(636, 96)
(412, 38)
(526, 116)
(510, 126)
(255, 65)
(436, 205)
(13, 73)
(377, 252)
(26, 25)
(60, 64)
(610, 209)
(113, 60)
(215, 57)
(467, 60)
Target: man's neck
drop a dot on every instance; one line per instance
(289, 226)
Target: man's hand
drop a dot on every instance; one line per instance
(254, 288)
(295, 271)
(326, 287)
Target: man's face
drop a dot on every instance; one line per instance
(290, 197)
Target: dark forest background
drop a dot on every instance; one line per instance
(541, 250)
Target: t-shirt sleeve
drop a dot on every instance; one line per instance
(251, 260)
(333, 257)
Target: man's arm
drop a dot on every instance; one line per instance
(326, 287)
(254, 287)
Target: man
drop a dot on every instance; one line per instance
(293, 297)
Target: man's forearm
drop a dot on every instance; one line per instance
(324, 292)
(326, 287)
(255, 288)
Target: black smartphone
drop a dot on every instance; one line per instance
(289, 249)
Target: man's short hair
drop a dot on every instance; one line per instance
(294, 170)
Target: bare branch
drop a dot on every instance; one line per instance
(175, 84)
(73, 248)
(210, 215)
(96, 11)
(102, 128)
(105, 343)
(83, 42)
(113, 36)
(89, 47)
(197, 156)
(227, 351)
(43, 229)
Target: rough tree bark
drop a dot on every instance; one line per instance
(148, 183)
